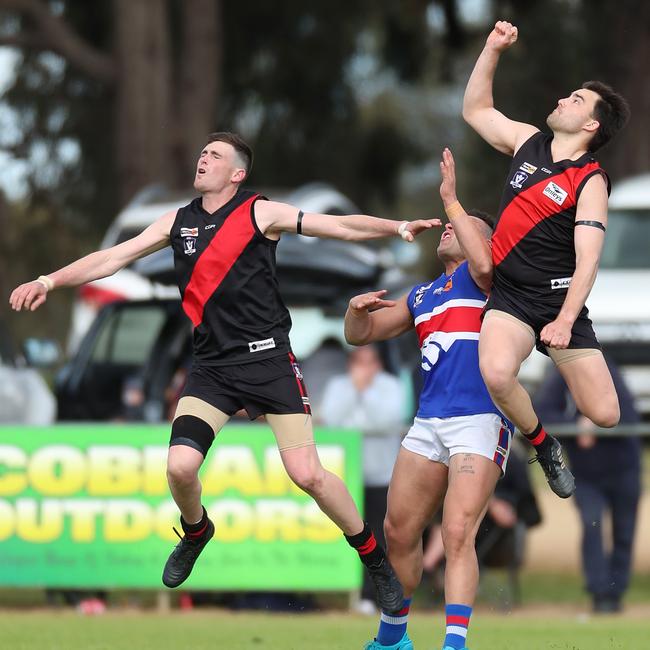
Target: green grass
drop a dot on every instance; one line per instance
(221, 630)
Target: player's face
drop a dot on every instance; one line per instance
(449, 248)
(574, 112)
(216, 167)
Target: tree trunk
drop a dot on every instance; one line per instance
(199, 83)
(143, 115)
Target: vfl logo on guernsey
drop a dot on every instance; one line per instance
(528, 168)
(518, 179)
(258, 346)
(555, 193)
(189, 240)
(560, 283)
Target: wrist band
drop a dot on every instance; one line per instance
(401, 231)
(454, 210)
(301, 214)
(46, 282)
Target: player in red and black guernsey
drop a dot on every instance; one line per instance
(224, 252)
(546, 248)
(458, 445)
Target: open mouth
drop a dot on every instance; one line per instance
(445, 236)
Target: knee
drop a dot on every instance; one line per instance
(607, 414)
(456, 535)
(498, 377)
(309, 479)
(399, 534)
(181, 474)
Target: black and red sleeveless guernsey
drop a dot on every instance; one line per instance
(532, 244)
(225, 269)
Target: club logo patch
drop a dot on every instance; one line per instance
(189, 236)
(189, 245)
(555, 193)
(518, 179)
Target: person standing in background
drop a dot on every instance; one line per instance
(371, 400)
(608, 478)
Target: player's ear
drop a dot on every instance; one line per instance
(238, 176)
(592, 125)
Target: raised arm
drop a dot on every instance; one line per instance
(494, 127)
(472, 241)
(388, 318)
(589, 238)
(99, 264)
(274, 218)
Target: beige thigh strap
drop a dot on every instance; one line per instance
(497, 313)
(292, 430)
(199, 409)
(564, 356)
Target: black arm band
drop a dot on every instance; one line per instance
(593, 224)
(301, 214)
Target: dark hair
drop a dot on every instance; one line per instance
(611, 111)
(483, 216)
(239, 145)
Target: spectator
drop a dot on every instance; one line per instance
(369, 399)
(607, 471)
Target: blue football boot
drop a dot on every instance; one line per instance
(403, 644)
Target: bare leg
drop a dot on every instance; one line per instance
(416, 491)
(503, 345)
(472, 479)
(305, 470)
(183, 463)
(592, 387)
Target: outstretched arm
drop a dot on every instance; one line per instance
(99, 264)
(274, 218)
(494, 127)
(589, 240)
(472, 241)
(388, 319)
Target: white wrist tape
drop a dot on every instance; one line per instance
(401, 231)
(46, 282)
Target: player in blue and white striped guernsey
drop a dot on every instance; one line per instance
(458, 445)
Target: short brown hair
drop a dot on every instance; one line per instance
(239, 145)
(611, 111)
(486, 218)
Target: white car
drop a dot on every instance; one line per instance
(143, 210)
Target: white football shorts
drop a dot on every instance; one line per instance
(485, 434)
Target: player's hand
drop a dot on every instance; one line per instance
(556, 334)
(371, 300)
(28, 296)
(414, 228)
(502, 36)
(448, 175)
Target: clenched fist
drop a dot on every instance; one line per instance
(502, 36)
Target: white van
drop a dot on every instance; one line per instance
(619, 303)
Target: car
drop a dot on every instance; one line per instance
(146, 207)
(131, 362)
(618, 303)
(25, 397)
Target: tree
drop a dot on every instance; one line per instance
(162, 94)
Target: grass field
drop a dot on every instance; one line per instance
(216, 630)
